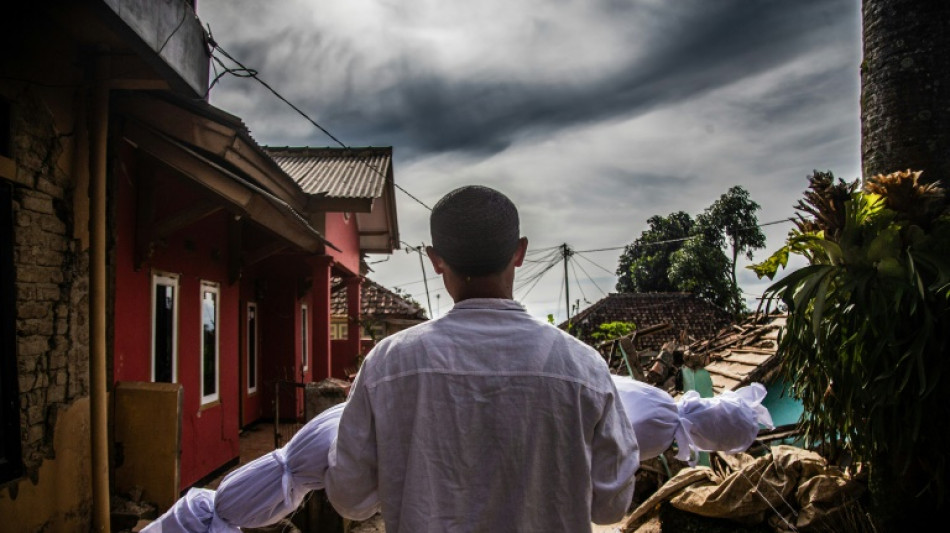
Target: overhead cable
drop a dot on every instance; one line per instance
(245, 72)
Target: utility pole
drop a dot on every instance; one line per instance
(425, 282)
(565, 253)
(422, 265)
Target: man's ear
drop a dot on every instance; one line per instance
(521, 251)
(437, 263)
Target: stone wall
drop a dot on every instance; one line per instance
(51, 278)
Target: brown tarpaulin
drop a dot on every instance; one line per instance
(792, 488)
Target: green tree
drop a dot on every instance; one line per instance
(701, 268)
(868, 332)
(678, 254)
(732, 221)
(645, 263)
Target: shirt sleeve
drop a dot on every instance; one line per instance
(615, 458)
(352, 480)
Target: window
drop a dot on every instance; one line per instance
(11, 462)
(164, 327)
(252, 345)
(209, 342)
(338, 331)
(304, 337)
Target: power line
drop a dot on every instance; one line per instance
(590, 278)
(585, 258)
(184, 12)
(245, 72)
(577, 281)
(668, 241)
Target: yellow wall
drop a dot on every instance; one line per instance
(63, 486)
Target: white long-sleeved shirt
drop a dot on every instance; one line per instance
(485, 420)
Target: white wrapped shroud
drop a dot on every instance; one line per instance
(261, 492)
(271, 487)
(728, 422)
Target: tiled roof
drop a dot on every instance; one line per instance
(376, 301)
(742, 353)
(690, 318)
(336, 172)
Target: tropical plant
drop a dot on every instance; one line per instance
(866, 341)
(613, 330)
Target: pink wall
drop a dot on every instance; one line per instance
(197, 253)
(344, 234)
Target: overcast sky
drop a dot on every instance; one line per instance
(591, 115)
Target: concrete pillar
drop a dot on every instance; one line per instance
(320, 316)
(354, 329)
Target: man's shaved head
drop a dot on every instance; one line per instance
(475, 230)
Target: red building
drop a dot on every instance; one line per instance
(223, 260)
(158, 268)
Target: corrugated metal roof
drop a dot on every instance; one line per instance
(336, 172)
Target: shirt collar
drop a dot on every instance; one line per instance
(501, 304)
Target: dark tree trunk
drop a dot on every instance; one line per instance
(905, 88)
(905, 124)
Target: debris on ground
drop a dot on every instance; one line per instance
(788, 489)
(130, 512)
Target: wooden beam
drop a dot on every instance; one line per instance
(256, 256)
(144, 214)
(339, 205)
(725, 374)
(185, 217)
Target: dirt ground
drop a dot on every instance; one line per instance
(375, 525)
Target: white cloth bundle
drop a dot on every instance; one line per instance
(728, 423)
(271, 487)
(192, 513)
(261, 492)
(652, 413)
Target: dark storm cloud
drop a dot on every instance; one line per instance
(694, 47)
(592, 116)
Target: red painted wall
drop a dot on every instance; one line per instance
(280, 278)
(196, 253)
(344, 234)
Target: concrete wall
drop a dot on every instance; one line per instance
(56, 496)
(51, 282)
(342, 231)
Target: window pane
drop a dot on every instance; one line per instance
(164, 348)
(209, 306)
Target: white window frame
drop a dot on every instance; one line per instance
(166, 279)
(304, 337)
(205, 287)
(251, 310)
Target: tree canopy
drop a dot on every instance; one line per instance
(679, 254)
